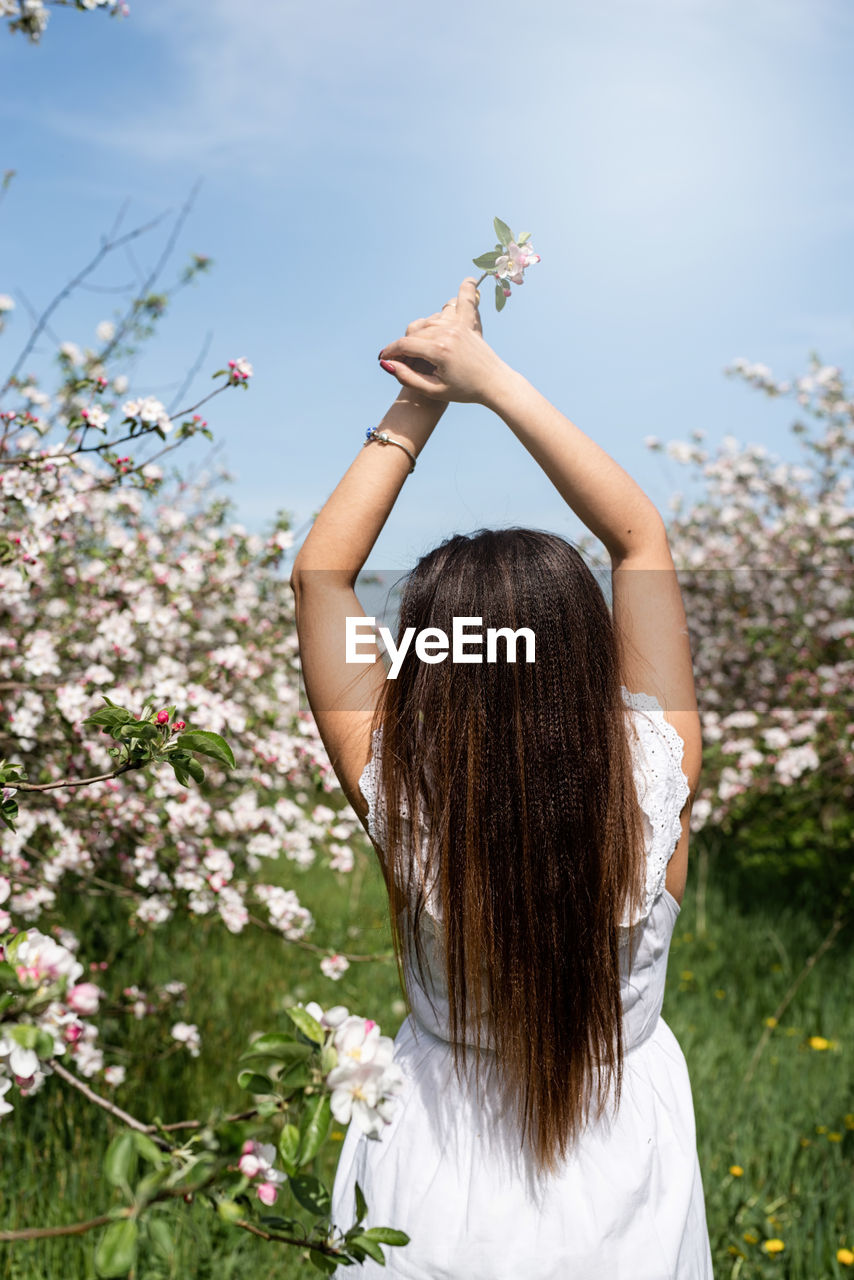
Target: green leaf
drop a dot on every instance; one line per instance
(149, 1150)
(387, 1235)
(486, 261)
(44, 1044)
(8, 975)
(116, 1252)
(279, 1045)
(255, 1082)
(207, 744)
(229, 1210)
(499, 298)
(289, 1140)
(121, 1155)
(161, 1236)
(109, 716)
(314, 1126)
(277, 1223)
(146, 1189)
(25, 1034)
(296, 1076)
(322, 1263)
(309, 1026)
(523, 238)
(181, 774)
(371, 1248)
(361, 1205)
(311, 1194)
(196, 771)
(505, 235)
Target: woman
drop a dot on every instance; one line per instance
(546, 1127)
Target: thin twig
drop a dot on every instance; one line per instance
(45, 1233)
(106, 247)
(315, 949)
(106, 1105)
(80, 782)
(191, 372)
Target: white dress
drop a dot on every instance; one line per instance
(627, 1203)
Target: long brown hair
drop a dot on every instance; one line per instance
(522, 772)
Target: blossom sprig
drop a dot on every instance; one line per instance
(239, 372)
(149, 739)
(507, 262)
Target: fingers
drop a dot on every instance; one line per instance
(427, 384)
(467, 300)
(411, 346)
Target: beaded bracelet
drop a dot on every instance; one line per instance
(374, 433)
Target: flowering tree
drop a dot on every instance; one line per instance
(138, 627)
(765, 564)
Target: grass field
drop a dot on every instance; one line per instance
(789, 1128)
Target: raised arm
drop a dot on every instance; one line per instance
(342, 695)
(649, 615)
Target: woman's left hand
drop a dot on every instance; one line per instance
(457, 314)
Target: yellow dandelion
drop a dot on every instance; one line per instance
(806, 1142)
(834, 1137)
(821, 1128)
(773, 1246)
(751, 1238)
(686, 975)
(734, 1251)
(818, 1042)
(736, 1171)
(336, 1136)
(849, 1121)
(770, 1022)
(720, 994)
(845, 1256)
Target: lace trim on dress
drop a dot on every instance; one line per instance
(662, 790)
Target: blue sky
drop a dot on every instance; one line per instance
(685, 167)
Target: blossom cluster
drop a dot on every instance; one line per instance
(364, 1081)
(55, 1007)
(31, 16)
(508, 261)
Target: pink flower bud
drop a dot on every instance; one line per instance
(84, 998)
(249, 1165)
(248, 1147)
(163, 717)
(73, 1032)
(267, 1193)
(178, 726)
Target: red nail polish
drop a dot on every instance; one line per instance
(389, 368)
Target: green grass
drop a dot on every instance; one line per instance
(786, 1127)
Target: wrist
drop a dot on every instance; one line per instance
(412, 417)
(505, 384)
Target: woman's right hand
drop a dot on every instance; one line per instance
(446, 356)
